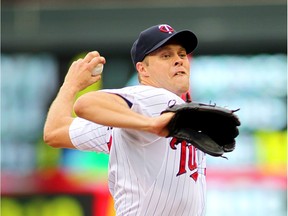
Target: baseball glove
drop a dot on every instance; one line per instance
(210, 128)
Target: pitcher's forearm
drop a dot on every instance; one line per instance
(61, 107)
(59, 118)
(110, 110)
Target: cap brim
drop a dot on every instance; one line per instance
(186, 38)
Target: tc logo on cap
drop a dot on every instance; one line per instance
(166, 28)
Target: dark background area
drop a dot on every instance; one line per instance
(66, 28)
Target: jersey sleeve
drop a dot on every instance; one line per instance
(88, 136)
(147, 100)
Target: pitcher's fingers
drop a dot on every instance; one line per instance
(96, 78)
(91, 55)
(95, 61)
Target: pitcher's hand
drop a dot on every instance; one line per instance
(79, 74)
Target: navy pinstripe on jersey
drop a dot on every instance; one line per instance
(148, 175)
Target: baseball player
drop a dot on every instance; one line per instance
(149, 174)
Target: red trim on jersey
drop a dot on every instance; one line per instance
(109, 143)
(186, 97)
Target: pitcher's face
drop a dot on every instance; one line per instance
(168, 67)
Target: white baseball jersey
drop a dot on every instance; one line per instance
(148, 175)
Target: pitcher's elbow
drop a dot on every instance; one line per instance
(79, 107)
(49, 139)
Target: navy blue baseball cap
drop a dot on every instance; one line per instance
(156, 36)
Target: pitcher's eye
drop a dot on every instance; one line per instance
(165, 56)
(182, 55)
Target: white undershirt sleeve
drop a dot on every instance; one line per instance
(88, 136)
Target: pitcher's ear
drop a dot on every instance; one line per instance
(142, 69)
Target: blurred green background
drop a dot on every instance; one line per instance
(240, 62)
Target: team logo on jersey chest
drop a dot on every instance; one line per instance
(190, 162)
